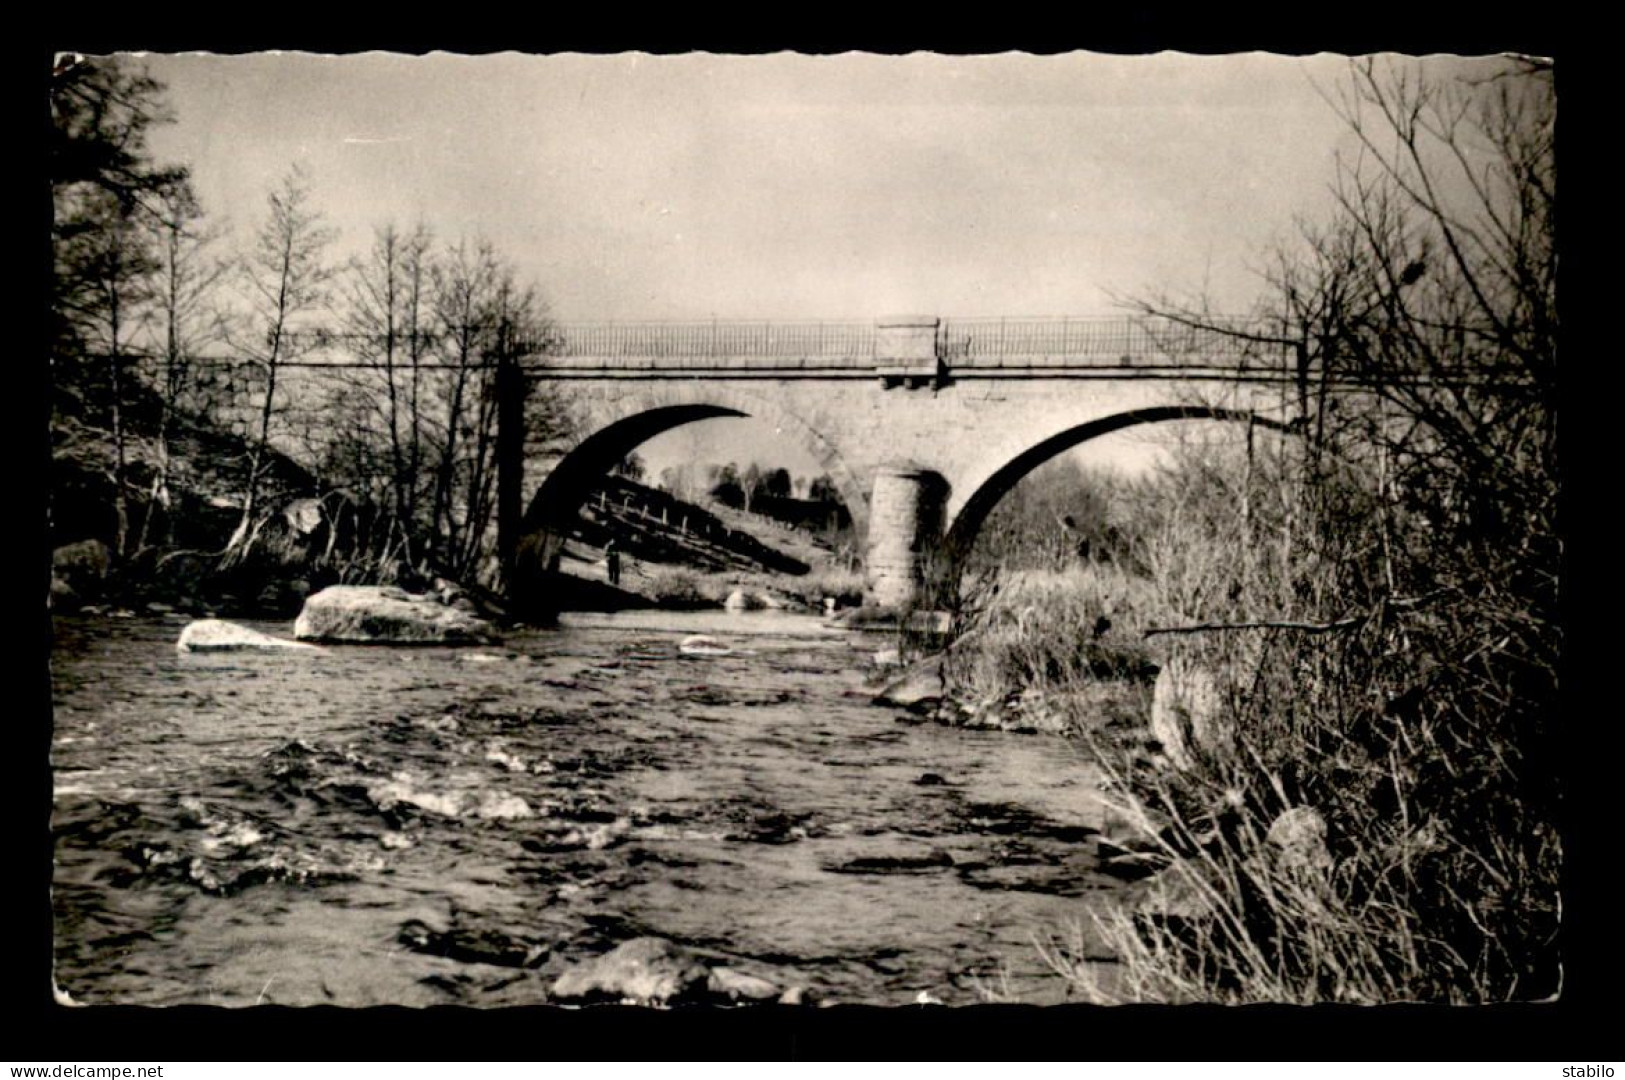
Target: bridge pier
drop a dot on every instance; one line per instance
(904, 545)
(511, 390)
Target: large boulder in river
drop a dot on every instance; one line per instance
(740, 986)
(646, 970)
(384, 615)
(217, 635)
(79, 570)
(62, 594)
(919, 688)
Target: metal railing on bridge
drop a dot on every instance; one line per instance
(964, 343)
(853, 341)
(1132, 341)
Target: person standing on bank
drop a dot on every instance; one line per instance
(612, 556)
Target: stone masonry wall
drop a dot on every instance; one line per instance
(965, 431)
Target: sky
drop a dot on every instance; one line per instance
(635, 186)
(699, 186)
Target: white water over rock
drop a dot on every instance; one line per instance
(217, 635)
(702, 645)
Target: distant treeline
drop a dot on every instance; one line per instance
(770, 492)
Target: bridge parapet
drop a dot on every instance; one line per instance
(1109, 342)
(844, 341)
(909, 349)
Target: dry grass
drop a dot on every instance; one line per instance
(845, 586)
(676, 586)
(1356, 683)
(1052, 631)
(681, 586)
(1042, 650)
(1402, 908)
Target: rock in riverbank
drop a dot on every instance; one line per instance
(645, 970)
(740, 600)
(1181, 895)
(900, 861)
(753, 600)
(918, 689)
(1298, 839)
(654, 971)
(362, 614)
(217, 635)
(79, 572)
(1187, 713)
(738, 986)
(485, 945)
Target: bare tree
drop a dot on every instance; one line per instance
(515, 317)
(182, 318)
(417, 270)
(284, 282)
(385, 315)
(1432, 293)
(103, 182)
(408, 439)
(114, 262)
(483, 317)
(464, 280)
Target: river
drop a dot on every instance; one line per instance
(427, 826)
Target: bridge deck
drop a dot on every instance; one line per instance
(1069, 347)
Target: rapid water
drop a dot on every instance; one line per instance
(426, 826)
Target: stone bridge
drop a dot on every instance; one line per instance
(923, 423)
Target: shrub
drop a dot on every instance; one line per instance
(846, 586)
(675, 586)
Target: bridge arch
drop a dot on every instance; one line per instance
(617, 426)
(978, 495)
